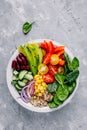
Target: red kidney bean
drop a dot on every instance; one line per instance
(14, 64)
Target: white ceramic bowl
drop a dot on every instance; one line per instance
(15, 94)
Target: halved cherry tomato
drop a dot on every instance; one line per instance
(48, 78)
(59, 48)
(61, 70)
(54, 59)
(43, 69)
(44, 45)
(46, 58)
(53, 69)
(51, 47)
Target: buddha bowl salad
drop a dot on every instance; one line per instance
(44, 74)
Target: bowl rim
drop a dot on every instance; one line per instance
(14, 93)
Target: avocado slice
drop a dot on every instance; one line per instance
(36, 54)
(21, 50)
(39, 51)
(30, 60)
(33, 56)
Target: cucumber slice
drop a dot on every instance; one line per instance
(21, 84)
(22, 74)
(18, 87)
(13, 82)
(28, 77)
(15, 72)
(15, 78)
(30, 73)
(24, 80)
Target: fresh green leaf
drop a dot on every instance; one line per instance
(52, 87)
(57, 101)
(52, 104)
(66, 70)
(27, 27)
(62, 92)
(75, 63)
(72, 87)
(67, 59)
(72, 76)
(60, 78)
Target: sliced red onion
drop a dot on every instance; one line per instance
(25, 94)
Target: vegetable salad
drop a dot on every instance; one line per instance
(44, 74)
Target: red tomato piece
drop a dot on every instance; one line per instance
(44, 45)
(61, 62)
(60, 52)
(51, 47)
(46, 58)
(53, 69)
(48, 78)
(59, 48)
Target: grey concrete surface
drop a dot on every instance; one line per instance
(61, 20)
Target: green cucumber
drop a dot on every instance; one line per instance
(28, 77)
(29, 72)
(21, 84)
(13, 82)
(15, 72)
(22, 74)
(24, 80)
(14, 78)
(18, 87)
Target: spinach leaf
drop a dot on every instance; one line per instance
(57, 101)
(75, 63)
(66, 70)
(72, 76)
(27, 27)
(62, 92)
(60, 78)
(72, 87)
(52, 104)
(52, 87)
(68, 61)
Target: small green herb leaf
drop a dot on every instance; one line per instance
(52, 87)
(52, 104)
(60, 78)
(62, 93)
(57, 101)
(75, 63)
(27, 27)
(72, 76)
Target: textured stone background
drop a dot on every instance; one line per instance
(62, 20)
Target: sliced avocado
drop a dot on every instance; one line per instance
(39, 51)
(35, 53)
(33, 56)
(21, 50)
(30, 60)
